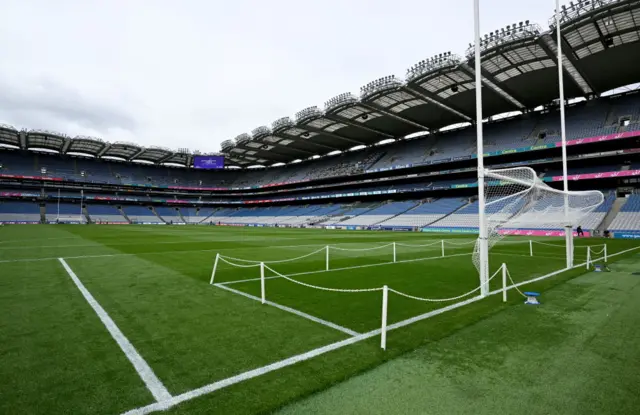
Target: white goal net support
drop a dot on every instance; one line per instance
(517, 199)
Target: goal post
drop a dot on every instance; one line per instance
(516, 198)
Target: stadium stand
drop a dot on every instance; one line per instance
(467, 217)
(423, 121)
(311, 214)
(364, 216)
(19, 212)
(628, 219)
(64, 212)
(194, 215)
(425, 213)
(140, 214)
(169, 214)
(587, 120)
(583, 170)
(105, 214)
(582, 121)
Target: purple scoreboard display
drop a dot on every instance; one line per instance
(208, 162)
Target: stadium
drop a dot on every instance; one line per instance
(294, 269)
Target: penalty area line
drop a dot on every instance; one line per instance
(155, 386)
(293, 311)
(212, 387)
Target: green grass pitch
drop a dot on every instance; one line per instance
(56, 355)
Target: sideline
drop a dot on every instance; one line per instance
(212, 387)
(293, 311)
(155, 386)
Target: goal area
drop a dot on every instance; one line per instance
(516, 199)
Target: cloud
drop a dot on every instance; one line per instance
(46, 103)
(194, 73)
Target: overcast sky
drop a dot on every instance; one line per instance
(193, 73)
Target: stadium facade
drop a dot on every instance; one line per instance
(422, 183)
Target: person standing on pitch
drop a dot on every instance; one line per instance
(580, 231)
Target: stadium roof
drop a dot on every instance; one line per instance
(519, 73)
(601, 48)
(92, 146)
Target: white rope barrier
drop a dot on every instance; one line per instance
(508, 274)
(433, 300)
(255, 262)
(274, 262)
(360, 249)
(238, 265)
(438, 300)
(317, 287)
(548, 244)
(417, 246)
(385, 289)
(459, 244)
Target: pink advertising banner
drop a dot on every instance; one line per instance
(525, 232)
(608, 137)
(603, 175)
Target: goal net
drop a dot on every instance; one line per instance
(517, 199)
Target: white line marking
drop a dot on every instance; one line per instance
(101, 244)
(293, 311)
(28, 260)
(155, 386)
(19, 241)
(159, 252)
(542, 277)
(168, 252)
(212, 387)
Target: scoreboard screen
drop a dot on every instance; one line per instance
(208, 162)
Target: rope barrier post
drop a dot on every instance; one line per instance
(394, 252)
(588, 256)
(383, 330)
(264, 300)
(504, 282)
(326, 268)
(530, 247)
(215, 265)
(442, 242)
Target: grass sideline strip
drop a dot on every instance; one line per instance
(292, 310)
(173, 401)
(155, 386)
